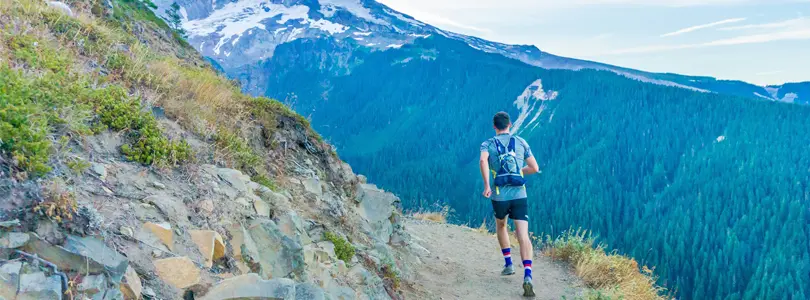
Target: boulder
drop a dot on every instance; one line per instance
(206, 206)
(180, 272)
(279, 256)
(93, 284)
(131, 285)
(308, 291)
(83, 255)
(313, 185)
(262, 208)
(9, 277)
(162, 231)
(376, 206)
(38, 286)
(95, 250)
(174, 209)
(13, 240)
(235, 178)
(251, 286)
(100, 170)
(292, 225)
(210, 244)
(50, 232)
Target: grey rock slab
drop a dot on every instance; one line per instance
(95, 250)
(308, 291)
(251, 286)
(38, 286)
(13, 240)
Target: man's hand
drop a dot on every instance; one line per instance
(487, 192)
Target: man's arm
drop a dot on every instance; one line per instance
(483, 163)
(531, 166)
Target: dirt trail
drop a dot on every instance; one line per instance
(466, 264)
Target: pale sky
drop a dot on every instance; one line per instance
(759, 41)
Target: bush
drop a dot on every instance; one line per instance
(343, 249)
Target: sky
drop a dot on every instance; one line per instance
(758, 41)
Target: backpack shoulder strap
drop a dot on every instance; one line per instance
(499, 146)
(511, 147)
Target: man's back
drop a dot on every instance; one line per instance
(522, 152)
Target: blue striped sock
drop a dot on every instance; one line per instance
(527, 268)
(507, 256)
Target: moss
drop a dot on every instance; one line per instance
(343, 249)
(77, 165)
(23, 128)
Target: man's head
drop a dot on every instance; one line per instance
(501, 122)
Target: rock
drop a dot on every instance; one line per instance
(171, 207)
(237, 242)
(83, 255)
(99, 169)
(206, 206)
(127, 231)
(9, 277)
(93, 284)
(180, 272)
(376, 206)
(13, 240)
(308, 291)
(95, 250)
(251, 286)
(113, 294)
(210, 244)
(159, 185)
(49, 231)
(262, 208)
(64, 8)
(149, 292)
(341, 267)
(235, 178)
(163, 232)
(292, 225)
(131, 285)
(338, 291)
(38, 286)
(242, 201)
(313, 185)
(279, 255)
(362, 179)
(323, 252)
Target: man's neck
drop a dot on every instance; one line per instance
(501, 132)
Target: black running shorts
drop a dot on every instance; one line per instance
(517, 209)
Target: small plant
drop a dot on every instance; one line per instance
(78, 165)
(391, 274)
(266, 182)
(438, 217)
(343, 249)
(58, 205)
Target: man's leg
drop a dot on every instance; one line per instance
(501, 210)
(520, 215)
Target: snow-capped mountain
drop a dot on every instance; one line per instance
(238, 33)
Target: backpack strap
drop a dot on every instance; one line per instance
(511, 147)
(500, 147)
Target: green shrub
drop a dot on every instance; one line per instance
(244, 156)
(118, 112)
(77, 165)
(36, 54)
(343, 249)
(23, 128)
(267, 182)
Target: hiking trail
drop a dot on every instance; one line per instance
(465, 264)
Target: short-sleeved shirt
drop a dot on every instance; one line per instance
(522, 152)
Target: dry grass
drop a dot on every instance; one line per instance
(612, 276)
(437, 217)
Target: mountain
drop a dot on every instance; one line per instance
(699, 177)
(242, 33)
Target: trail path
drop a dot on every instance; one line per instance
(466, 264)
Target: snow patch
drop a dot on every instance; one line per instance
(721, 138)
(532, 100)
(235, 18)
(371, 44)
(421, 35)
(395, 46)
(404, 18)
(774, 91)
(789, 97)
(763, 96)
(355, 7)
(362, 33)
(325, 25)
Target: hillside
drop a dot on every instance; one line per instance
(129, 169)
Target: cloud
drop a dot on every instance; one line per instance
(794, 34)
(703, 26)
(766, 73)
(774, 25)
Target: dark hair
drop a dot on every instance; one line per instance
(501, 120)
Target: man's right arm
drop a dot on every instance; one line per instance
(483, 163)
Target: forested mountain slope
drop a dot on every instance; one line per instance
(711, 189)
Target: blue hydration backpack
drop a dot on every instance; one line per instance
(509, 173)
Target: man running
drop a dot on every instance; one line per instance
(509, 159)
